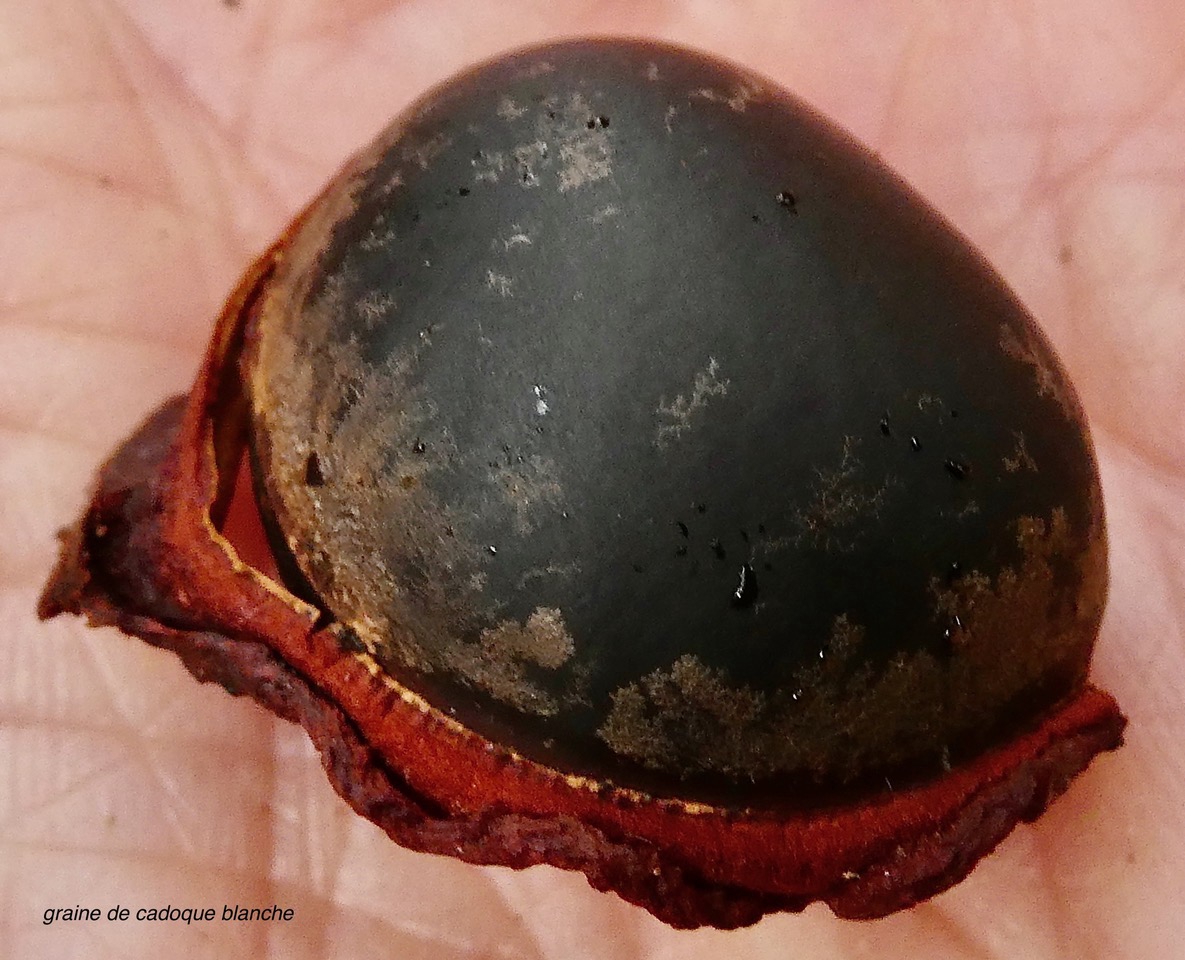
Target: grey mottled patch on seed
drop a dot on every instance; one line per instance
(840, 504)
(676, 415)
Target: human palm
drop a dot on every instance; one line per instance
(149, 149)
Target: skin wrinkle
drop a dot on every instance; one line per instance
(210, 122)
(959, 938)
(72, 171)
(1171, 575)
(261, 54)
(64, 331)
(896, 86)
(133, 97)
(1119, 921)
(91, 450)
(1042, 111)
(184, 93)
(141, 747)
(1063, 931)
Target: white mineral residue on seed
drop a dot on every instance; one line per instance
(528, 157)
(487, 167)
(501, 661)
(585, 155)
(1024, 345)
(562, 570)
(539, 69)
(1020, 458)
(652, 72)
(737, 102)
(392, 183)
(610, 210)
(519, 239)
(377, 239)
(424, 153)
(669, 118)
(509, 110)
(707, 384)
(585, 160)
(530, 487)
(541, 406)
(499, 283)
(374, 307)
(841, 502)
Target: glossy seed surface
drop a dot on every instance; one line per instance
(644, 423)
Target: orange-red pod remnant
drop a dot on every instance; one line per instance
(657, 488)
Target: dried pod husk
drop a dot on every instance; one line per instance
(657, 488)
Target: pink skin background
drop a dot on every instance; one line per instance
(150, 148)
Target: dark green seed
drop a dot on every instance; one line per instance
(600, 281)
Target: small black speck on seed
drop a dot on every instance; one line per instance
(449, 531)
(786, 199)
(954, 414)
(745, 536)
(463, 191)
(761, 529)
(683, 531)
(756, 219)
(314, 475)
(681, 550)
(885, 428)
(701, 508)
(638, 568)
(956, 468)
(718, 549)
(419, 446)
(348, 639)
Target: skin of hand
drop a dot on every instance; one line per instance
(149, 150)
